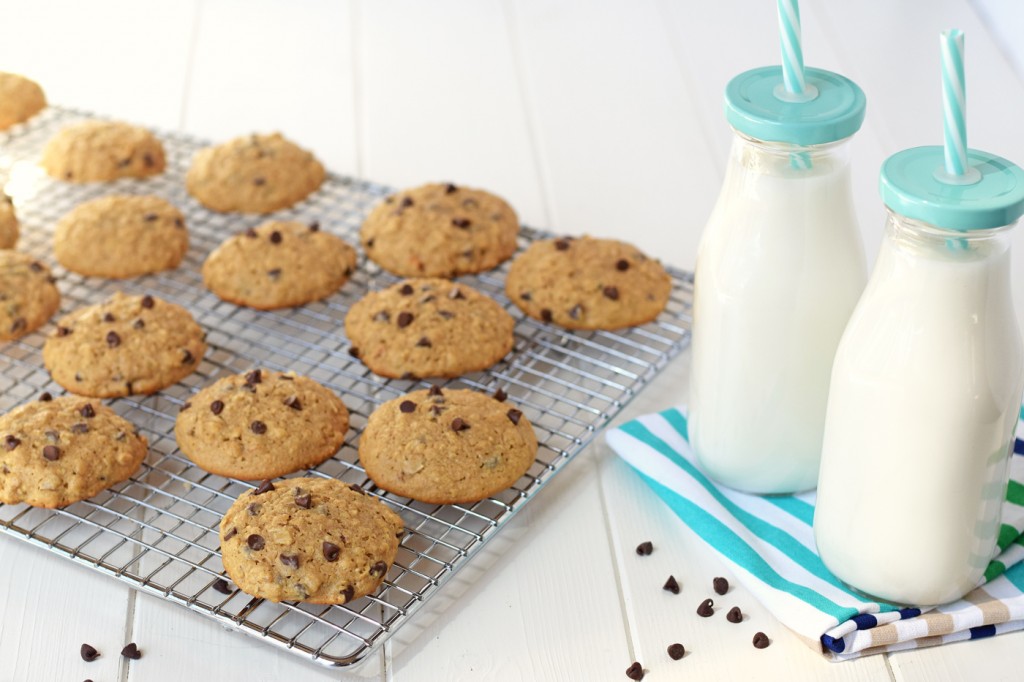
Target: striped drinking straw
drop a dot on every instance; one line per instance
(954, 104)
(792, 65)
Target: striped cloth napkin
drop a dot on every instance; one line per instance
(769, 543)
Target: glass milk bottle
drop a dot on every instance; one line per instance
(779, 269)
(926, 389)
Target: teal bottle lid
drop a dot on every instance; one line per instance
(914, 183)
(831, 108)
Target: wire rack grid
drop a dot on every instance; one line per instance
(158, 530)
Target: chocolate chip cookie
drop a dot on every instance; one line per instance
(309, 539)
(279, 264)
(101, 151)
(588, 283)
(428, 328)
(8, 223)
(57, 451)
(121, 237)
(28, 296)
(261, 424)
(446, 446)
(254, 174)
(125, 345)
(20, 99)
(440, 230)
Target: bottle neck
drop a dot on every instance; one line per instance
(924, 239)
(787, 160)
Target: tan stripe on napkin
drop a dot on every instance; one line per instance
(992, 609)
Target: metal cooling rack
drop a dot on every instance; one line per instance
(158, 531)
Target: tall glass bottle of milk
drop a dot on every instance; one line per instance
(926, 388)
(779, 270)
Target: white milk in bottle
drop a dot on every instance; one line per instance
(779, 269)
(926, 390)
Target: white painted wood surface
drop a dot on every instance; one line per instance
(600, 117)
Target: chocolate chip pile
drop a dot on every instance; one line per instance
(706, 609)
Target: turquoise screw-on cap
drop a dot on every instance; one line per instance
(914, 183)
(757, 104)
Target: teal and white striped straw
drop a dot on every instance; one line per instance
(792, 53)
(954, 104)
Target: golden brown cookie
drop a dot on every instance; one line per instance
(279, 264)
(56, 451)
(588, 283)
(309, 539)
(261, 424)
(20, 99)
(8, 223)
(253, 174)
(28, 296)
(121, 236)
(428, 328)
(440, 230)
(101, 151)
(446, 446)
(125, 345)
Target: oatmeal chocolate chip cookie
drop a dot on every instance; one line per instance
(101, 151)
(428, 328)
(446, 446)
(58, 451)
(121, 237)
(309, 539)
(8, 223)
(28, 296)
(261, 424)
(20, 99)
(279, 264)
(125, 345)
(440, 230)
(253, 174)
(588, 283)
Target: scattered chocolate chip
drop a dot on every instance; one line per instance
(459, 424)
(275, 237)
(89, 653)
(462, 223)
(645, 548)
(222, 586)
(11, 442)
(150, 217)
(450, 188)
(256, 542)
(305, 500)
(545, 314)
(178, 222)
(80, 427)
(706, 608)
(671, 585)
(109, 317)
(427, 299)
(331, 552)
(407, 406)
(62, 331)
(575, 311)
(251, 233)
(68, 175)
(347, 593)
(290, 560)
(676, 651)
(254, 508)
(292, 401)
(761, 640)
(186, 357)
(36, 266)
(147, 159)
(274, 274)
(87, 411)
(424, 342)
(314, 226)
(435, 390)
(514, 416)
(217, 406)
(138, 324)
(446, 314)
(721, 585)
(500, 395)
(404, 319)
(230, 534)
(128, 385)
(406, 202)
(406, 290)
(45, 397)
(147, 301)
(265, 486)
(131, 651)
(353, 351)
(525, 296)
(18, 325)
(254, 377)
(436, 410)
(622, 265)
(259, 182)
(635, 671)
(113, 340)
(369, 243)
(51, 453)
(561, 245)
(258, 427)
(184, 406)
(734, 615)
(379, 568)
(456, 294)
(408, 376)
(611, 292)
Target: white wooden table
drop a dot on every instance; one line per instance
(600, 117)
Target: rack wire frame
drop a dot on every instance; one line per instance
(158, 531)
